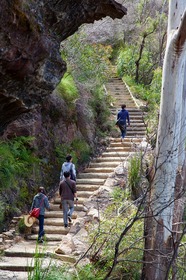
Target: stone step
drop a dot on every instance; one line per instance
(120, 148)
(98, 170)
(93, 175)
(17, 275)
(90, 181)
(129, 104)
(127, 101)
(121, 100)
(81, 194)
(18, 264)
(29, 249)
(57, 214)
(118, 100)
(58, 199)
(137, 123)
(78, 207)
(127, 144)
(49, 236)
(136, 128)
(51, 229)
(111, 159)
(129, 139)
(84, 194)
(121, 155)
(134, 117)
(24, 264)
(112, 164)
(87, 187)
(117, 87)
(136, 133)
(54, 221)
(132, 110)
(121, 96)
(133, 120)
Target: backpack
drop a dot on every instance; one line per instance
(72, 177)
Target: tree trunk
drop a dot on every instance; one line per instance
(170, 152)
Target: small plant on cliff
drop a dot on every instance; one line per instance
(67, 89)
(78, 148)
(82, 150)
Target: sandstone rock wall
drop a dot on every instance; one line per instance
(31, 32)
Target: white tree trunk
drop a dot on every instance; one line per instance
(170, 148)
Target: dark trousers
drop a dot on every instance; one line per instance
(123, 128)
(41, 226)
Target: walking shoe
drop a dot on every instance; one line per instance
(40, 241)
(69, 219)
(65, 225)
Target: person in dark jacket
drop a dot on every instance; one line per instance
(41, 201)
(67, 192)
(122, 119)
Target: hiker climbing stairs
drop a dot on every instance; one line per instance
(121, 95)
(18, 258)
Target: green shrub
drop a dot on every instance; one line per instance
(21, 226)
(126, 62)
(81, 149)
(17, 162)
(67, 89)
(100, 104)
(134, 175)
(88, 63)
(78, 149)
(115, 220)
(90, 66)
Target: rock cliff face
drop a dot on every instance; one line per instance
(30, 62)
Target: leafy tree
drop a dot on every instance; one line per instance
(144, 39)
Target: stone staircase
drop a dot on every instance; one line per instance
(17, 259)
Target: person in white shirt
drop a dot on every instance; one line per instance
(68, 166)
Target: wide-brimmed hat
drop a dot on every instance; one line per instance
(28, 220)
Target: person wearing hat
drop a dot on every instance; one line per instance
(68, 166)
(40, 200)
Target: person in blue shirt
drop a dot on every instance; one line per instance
(122, 119)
